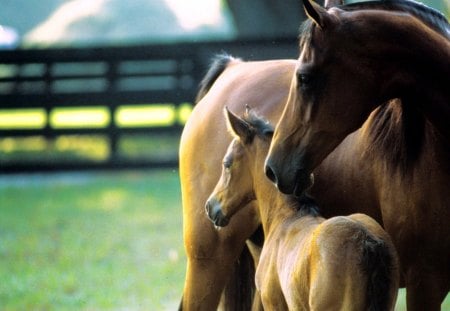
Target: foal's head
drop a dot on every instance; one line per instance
(241, 164)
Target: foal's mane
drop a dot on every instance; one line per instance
(258, 125)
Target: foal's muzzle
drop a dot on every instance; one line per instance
(214, 212)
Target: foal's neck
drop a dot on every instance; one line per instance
(277, 209)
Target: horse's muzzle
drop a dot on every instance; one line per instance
(303, 182)
(294, 182)
(214, 212)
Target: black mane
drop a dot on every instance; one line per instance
(218, 65)
(397, 132)
(426, 14)
(305, 205)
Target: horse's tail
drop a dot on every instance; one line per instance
(219, 64)
(240, 290)
(379, 264)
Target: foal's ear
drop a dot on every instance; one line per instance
(318, 14)
(237, 126)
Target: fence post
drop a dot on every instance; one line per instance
(47, 107)
(112, 107)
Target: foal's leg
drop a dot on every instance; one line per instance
(211, 256)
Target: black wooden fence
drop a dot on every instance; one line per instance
(112, 77)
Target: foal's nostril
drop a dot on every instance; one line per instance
(270, 174)
(215, 214)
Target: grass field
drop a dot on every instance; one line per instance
(108, 241)
(93, 241)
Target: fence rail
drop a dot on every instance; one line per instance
(112, 77)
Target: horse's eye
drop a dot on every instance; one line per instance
(304, 79)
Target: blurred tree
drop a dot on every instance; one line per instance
(273, 18)
(266, 18)
(24, 15)
(56, 22)
(100, 22)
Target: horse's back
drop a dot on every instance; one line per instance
(261, 85)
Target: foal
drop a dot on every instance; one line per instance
(307, 262)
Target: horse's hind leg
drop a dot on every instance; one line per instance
(204, 283)
(206, 278)
(211, 258)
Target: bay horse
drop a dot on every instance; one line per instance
(307, 262)
(217, 258)
(353, 60)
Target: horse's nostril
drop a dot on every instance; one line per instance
(270, 174)
(208, 208)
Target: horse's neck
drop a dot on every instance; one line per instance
(431, 92)
(435, 106)
(423, 79)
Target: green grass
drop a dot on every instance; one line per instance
(401, 302)
(93, 148)
(94, 241)
(104, 241)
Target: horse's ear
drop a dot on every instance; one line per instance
(332, 3)
(237, 126)
(317, 13)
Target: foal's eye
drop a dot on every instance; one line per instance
(227, 164)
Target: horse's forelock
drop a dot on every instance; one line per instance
(305, 36)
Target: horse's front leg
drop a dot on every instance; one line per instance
(211, 256)
(427, 286)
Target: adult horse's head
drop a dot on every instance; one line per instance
(322, 109)
(349, 63)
